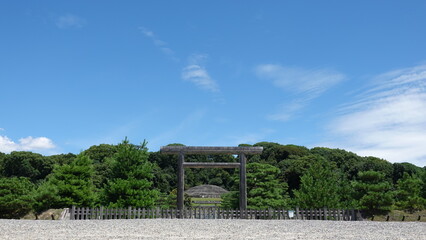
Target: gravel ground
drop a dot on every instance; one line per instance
(209, 229)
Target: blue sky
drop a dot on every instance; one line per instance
(337, 74)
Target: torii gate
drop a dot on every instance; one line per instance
(182, 150)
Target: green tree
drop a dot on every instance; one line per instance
(131, 180)
(274, 153)
(346, 161)
(375, 164)
(165, 171)
(373, 192)
(408, 193)
(170, 200)
(102, 162)
(15, 197)
(2, 157)
(62, 159)
(320, 187)
(423, 177)
(69, 184)
(231, 200)
(293, 169)
(264, 190)
(400, 168)
(46, 197)
(98, 153)
(27, 164)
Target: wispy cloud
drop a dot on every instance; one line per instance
(196, 73)
(305, 84)
(162, 45)
(311, 83)
(388, 120)
(288, 110)
(70, 21)
(25, 144)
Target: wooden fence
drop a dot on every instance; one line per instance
(212, 213)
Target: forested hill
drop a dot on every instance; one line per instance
(282, 176)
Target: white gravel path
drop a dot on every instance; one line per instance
(209, 229)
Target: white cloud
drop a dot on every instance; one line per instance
(388, 120)
(197, 74)
(7, 145)
(1, 129)
(200, 77)
(70, 21)
(25, 144)
(305, 84)
(162, 45)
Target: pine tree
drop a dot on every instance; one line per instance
(264, 190)
(319, 187)
(70, 184)
(408, 193)
(15, 197)
(131, 180)
(373, 192)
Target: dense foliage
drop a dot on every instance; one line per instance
(264, 190)
(16, 197)
(131, 180)
(320, 187)
(283, 176)
(373, 192)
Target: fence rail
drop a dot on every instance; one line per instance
(101, 213)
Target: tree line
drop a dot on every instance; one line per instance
(283, 176)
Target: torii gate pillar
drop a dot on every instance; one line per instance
(243, 182)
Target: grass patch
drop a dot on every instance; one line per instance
(203, 202)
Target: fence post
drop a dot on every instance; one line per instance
(101, 213)
(297, 212)
(324, 213)
(78, 213)
(86, 213)
(72, 213)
